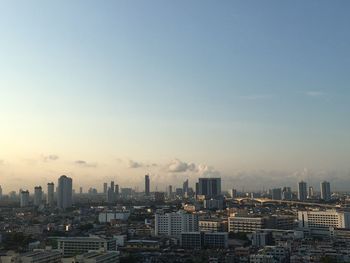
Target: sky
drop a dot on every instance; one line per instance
(256, 92)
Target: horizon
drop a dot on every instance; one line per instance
(255, 93)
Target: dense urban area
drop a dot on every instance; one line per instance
(182, 224)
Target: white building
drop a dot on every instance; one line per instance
(24, 198)
(173, 224)
(71, 246)
(64, 192)
(320, 222)
(50, 194)
(38, 195)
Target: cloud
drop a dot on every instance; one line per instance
(83, 163)
(50, 157)
(177, 166)
(133, 164)
(315, 93)
(2, 162)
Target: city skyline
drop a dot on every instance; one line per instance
(255, 94)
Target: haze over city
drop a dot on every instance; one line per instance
(255, 94)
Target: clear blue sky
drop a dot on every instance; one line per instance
(237, 85)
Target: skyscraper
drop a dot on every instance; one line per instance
(325, 190)
(50, 194)
(185, 188)
(302, 191)
(38, 196)
(147, 185)
(276, 194)
(310, 194)
(105, 188)
(64, 192)
(209, 187)
(24, 198)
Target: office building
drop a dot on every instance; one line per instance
(116, 191)
(147, 185)
(302, 191)
(276, 194)
(42, 256)
(64, 192)
(99, 257)
(310, 193)
(50, 194)
(246, 224)
(233, 193)
(170, 191)
(24, 198)
(38, 196)
(287, 193)
(212, 225)
(320, 222)
(325, 191)
(185, 188)
(71, 246)
(173, 224)
(209, 187)
(206, 240)
(105, 188)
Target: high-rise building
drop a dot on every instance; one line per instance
(170, 191)
(209, 187)
(276, 194)
(110, 195)
(112, 185)
(38, 196)
(287, 193)
(80, 190)
(233, 193)
(147, 185)
(185, 188)
(302, 191)
(310, 193)
(325, 190)
(105, 188)
(50, 194)
(24, 198)
(64, 192)
(116, 191)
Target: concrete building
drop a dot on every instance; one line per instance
(147, 185)
(64, 192)
(71, 246)
(212, 225)
(98, 257)
(246, 224)
(276, 194)
(173, 224)
(24, 198)
(38, 196)
(287, 193)
(320, 222)
(209, 187)
(199, 240)
(50, 194)
(105, 188)
(42, 256)
(302, 191)
(325, 190)
(106, 217)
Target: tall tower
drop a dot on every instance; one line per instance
(24, 198)
(325, 190)
(64, 193)
(302, 191)
(105, 188)
(147, 185)
(50, 194)
(38, 196)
